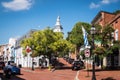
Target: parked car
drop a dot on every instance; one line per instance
(11, 69)
(70, 60)
(11, 62)
(2, 64)
(77, 65)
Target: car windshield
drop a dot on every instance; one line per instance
(10, 62)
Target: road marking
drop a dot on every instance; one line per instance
(76, 77)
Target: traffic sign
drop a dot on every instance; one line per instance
(87, 53)
(28, 49)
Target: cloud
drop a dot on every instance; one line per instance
(93, 5)
(102, 2)
(17, 5)
(105, 1)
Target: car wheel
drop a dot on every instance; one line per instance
(8, 74)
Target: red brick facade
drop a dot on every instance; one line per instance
(105, 18)
(115, 22)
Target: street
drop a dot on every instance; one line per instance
(64, 73)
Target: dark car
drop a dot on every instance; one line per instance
(11, 62)
(77, 65)
(2, 64)
(70, 60)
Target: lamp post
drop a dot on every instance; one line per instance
(93, 31)
(32, 64)
(32, 59)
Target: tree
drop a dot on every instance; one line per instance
(62, 47)
(46, 42)
(76, 35)
(116, 12)
(24, 43)
(107, 36)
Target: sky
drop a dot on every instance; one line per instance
(17, 17)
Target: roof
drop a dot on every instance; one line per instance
(115, 18)
(99, 13)
(24, 36)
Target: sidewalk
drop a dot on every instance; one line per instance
(84, 75)
(100, 75)
(66, 64)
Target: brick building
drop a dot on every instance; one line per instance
(104, 18)
(4, 52)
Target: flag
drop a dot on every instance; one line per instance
(85, 37)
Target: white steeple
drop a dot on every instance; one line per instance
(58, 21)
(58, 26)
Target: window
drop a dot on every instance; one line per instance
(116, 21)
(116, 34)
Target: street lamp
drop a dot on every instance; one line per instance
(32, 64)
(32, 59)
(93, 31)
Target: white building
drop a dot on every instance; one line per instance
(26, 61)
(11, 46)
(20, 59)
(58, 26)
(5, 52)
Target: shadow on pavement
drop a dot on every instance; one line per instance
(61, 66)
(13, 77)
(109, 78)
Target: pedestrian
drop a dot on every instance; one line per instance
(40, 63)
(45, 63)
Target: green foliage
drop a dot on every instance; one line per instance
(116, 12)
(76, 35)
(45, 42)
(103, 35)
(100, 51)
(107, 44)
(107, 36)
(62, 46)
(24, 43)
(116, 46)
(98, 35)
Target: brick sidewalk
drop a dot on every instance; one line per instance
(100, 75)
(83, 74)
(66, 64)
(35, 70)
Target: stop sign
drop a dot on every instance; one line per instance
(28, 49)
(87, 53)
